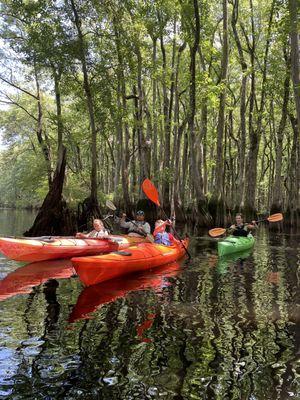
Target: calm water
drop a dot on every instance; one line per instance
(204, 330)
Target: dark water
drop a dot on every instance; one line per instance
(204, 330)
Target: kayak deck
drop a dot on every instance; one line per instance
(140, 257)
(234, 244)
(49, 248)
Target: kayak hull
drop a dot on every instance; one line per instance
(141, 257)
(235, 244)
(32, 250)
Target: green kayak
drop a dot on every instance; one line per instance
(234, 244)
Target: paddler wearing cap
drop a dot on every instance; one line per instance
(138, 227)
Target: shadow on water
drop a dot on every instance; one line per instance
(213, 329)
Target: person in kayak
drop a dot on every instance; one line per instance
(99, 231)
(241, 229)
(139, 227)
(160, 234)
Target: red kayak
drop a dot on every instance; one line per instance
(139, 257)
(23, 279)
(95, 296)
(49, 248)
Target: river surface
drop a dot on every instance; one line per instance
(204, 329)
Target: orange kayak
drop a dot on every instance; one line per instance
(93, 297)
(23, 279)
(49, 248)
(139, 257)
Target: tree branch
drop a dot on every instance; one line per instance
(18, 87)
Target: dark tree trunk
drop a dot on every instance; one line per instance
(168, 110)
(142, 141)
(92, 201)
(57, 76)
(219, 194)
(54, 218)
(194, 168)
(154, 109)
(242, 141)
(294, 195)
(277, 190)
(255, 134)
(41, 134)
(123, 152)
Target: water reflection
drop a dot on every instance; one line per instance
(23, 279)
(95, 296)
(215, 329)
(15, 222)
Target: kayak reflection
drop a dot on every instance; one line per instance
(225, 261)
(93, 297)
(145, 326)
(23, 279)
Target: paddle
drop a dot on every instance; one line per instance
(151, 192)
(111, 206)
(215, 232)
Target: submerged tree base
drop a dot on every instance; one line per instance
(87, 211)
(54, 217)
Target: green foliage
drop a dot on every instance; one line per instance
(42, 39)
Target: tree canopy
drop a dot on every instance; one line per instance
(201, 96)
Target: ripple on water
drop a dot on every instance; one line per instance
(216, 329)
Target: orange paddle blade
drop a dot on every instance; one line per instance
(150, 191)
(216, 232)
(275, 217)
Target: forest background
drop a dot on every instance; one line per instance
(201, 96)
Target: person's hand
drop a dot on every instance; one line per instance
(232, 227)
(79, 235)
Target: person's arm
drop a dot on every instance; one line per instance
(123, 223)
(80, 235)
(252, 226)
(146, 228)
(231, 229)
(91, 234)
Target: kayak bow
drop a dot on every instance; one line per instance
(234, 244)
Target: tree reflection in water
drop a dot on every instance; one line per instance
(216, 329)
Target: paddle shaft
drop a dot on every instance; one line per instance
(152, 193)
(178, 237)
(262, 220)
(223, 230)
